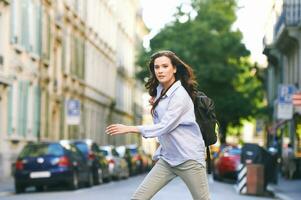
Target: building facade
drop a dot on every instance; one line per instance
(55, 51)
(283, 49)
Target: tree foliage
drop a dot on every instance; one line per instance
(208, 43)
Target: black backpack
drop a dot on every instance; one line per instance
(206, 118)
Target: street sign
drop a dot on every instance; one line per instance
(284, 111)
(285, 93)
(284, 105)
(73, 112)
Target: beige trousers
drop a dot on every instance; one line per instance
(191, 172)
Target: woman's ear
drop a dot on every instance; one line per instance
(174, 70)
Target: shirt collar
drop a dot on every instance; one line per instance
(171, 89)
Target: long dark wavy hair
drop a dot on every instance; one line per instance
(184, 73)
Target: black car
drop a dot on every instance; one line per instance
(50, 163)
(95, 159)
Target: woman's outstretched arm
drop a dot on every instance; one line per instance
(118, 129)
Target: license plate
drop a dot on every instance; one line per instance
(44, 174)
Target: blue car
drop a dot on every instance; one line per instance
(51, 163)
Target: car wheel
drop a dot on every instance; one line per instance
(127, 174)
(98, 176)
(74, 182)
(90, 179)
(215, 176)
(107, 179)
(19, 188)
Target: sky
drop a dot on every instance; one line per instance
(251, 19)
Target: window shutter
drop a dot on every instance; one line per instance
(10, 110)
(25, 106)
(37, 104)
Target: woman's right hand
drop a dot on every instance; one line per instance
(118, 129)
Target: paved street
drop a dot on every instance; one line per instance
(122, 190)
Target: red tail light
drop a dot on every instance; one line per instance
(64, 161)
(137, 157)
(19, 165)
(91, 156)
(111, 161)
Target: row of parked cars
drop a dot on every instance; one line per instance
(75, 163)
(226, 162)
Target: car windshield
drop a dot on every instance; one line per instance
(35, 150)
(133, 151)
(82, 147)
(233, 151)
(104, 152)
(121, 150)
(115, 153)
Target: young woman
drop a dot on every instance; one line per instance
(172, 87)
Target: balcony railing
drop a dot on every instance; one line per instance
(290, 16)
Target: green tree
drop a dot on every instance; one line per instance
(208, 43)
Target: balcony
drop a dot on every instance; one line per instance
(290, 16)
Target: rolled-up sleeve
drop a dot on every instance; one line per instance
(171, 119)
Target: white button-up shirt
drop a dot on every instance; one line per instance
(175, 126)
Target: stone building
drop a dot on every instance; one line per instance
(53, 52)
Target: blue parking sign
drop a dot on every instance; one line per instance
(285, 93)
(73, 111)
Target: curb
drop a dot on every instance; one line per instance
(279, 195)
(282, 196)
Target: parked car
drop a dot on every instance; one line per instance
(138, 161)
(50, 163)
(97, 162)
(133, 159)
(147, 161)
(226, 163)
(118, 167)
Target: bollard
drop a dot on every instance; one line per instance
(255, 179)
(241, 185)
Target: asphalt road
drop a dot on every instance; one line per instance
(122, 190)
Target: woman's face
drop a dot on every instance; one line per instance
(164, 71)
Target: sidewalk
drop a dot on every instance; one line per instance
(287, 189)
(6, 186)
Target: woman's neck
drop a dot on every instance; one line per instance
(167, 85)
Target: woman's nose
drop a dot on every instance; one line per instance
(159, 70)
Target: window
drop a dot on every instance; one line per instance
(62, 117)
(1, 40)
(36, 111)
(25, 5)
(33, 30)
(10, 110)
(46, 35)
(14, 23)
(35, 150)
(23, 88)
(46, 114)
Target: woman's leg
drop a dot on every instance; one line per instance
(195, 177)
(157, 178)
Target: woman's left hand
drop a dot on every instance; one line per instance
(117, 129)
